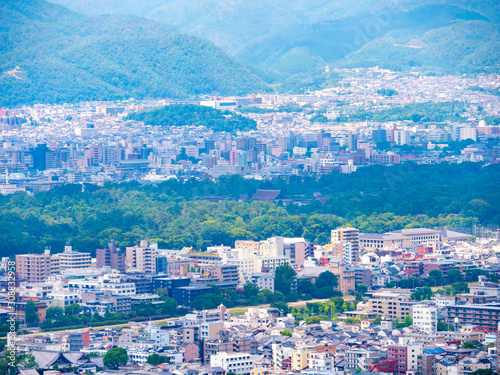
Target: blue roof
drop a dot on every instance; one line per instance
(434, 351)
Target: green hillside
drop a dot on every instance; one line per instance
(64, 57)
(194, 115)
(285, 39)
(465, 47)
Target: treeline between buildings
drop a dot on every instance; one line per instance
(194, 115)
(417, 112)
(174, 213)
(74, 315)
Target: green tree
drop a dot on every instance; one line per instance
(266, 294)
(4, 367)
(339, 304)
(54, 312)
(31, 315)
(283, 279)
(281, 306)
(471, 345)
(28, 361)
(250, 290)
(286, 332)
(326, 279)
(408, 321)
(206, 301)
(361, 288)
(443, 326)
(421, 294)
(453, 276)
(481, 371)
(377, 320)
(157, 359)
(115, 358)
(73, 309)
(461, 287)
(169, 306)
(313, 319)
(306, 287)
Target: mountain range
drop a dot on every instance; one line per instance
(74, 50)
(50, 54)
(286, 37)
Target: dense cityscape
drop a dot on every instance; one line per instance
(416, 300)
(47, 145)
(227, 187)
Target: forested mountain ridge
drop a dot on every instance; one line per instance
(299, 36)
(64, 57)
(374, 199)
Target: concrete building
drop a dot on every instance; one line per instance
(468, 133)
(264, 280)
(381, 241)
(478, 315)
(425, 317)
(142, 257)
(419, 236)
(345, 276)
(348, 235)
(238, 363)
(401, 137)
(406, 357)
(396, 304)
(111, 257)
(425, 364)
(73, 259)
(33, 267)
(303, 250)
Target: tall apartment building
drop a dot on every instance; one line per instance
(303, 250)
(348, 235)
(55, 265)
(425, 364)
(111, 257)
(401, 137)
(33, 267)
(479, 315)
(425, 317)
(345, 276)
(406, 357)
(143, 257)
(72, 259)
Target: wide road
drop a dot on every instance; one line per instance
(164, 321)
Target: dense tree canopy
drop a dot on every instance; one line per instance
(374, 199)
(284, 278)
(194, 115)
(115, 357)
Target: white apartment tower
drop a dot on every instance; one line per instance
(348, 235)
(425, 317)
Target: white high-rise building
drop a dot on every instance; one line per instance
(347, 253)
(468, 133)
(425, 317)
(348, 235)
(400, 137)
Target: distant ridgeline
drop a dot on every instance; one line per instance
(194, 115)
(50, 54)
